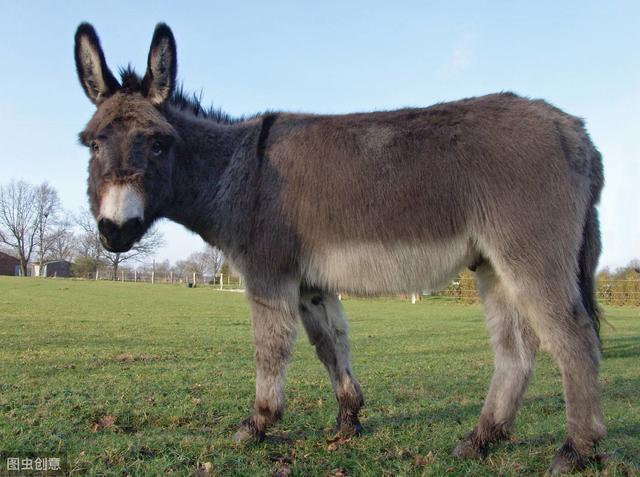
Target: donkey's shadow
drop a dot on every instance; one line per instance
(427, 417)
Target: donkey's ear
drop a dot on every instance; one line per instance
(95, 77)
(162, 66)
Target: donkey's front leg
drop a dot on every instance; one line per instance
(274, 331)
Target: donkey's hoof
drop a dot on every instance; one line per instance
(348, 425)
(244, 436)
(350, 429)
(568, 459)
(247, 433)
(562, 465)
(468, 449)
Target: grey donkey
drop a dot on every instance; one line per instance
(305, 206)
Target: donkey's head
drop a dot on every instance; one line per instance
(131, 141)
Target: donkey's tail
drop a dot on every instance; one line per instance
(588, 261)
(591, 245)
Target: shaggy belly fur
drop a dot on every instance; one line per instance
(373, 269)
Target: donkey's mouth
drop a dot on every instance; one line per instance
(119, 239)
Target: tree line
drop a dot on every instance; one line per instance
(35, 227)
(30, 222)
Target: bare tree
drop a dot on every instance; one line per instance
(214, 259)
(62, 241)
(162, 270)
(47, 207)
(19, 220)
(88, 244)
(207, 262)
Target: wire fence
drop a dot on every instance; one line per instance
(610, 291)
(191, 279)
(619, 292)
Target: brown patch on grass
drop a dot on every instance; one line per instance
(337, 441)
(133, 358)
(103, 423)
(421, 461)
(339, 473)
(284, 466)
(204, 469)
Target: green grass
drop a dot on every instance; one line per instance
(174, 367)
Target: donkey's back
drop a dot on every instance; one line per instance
(401, 200)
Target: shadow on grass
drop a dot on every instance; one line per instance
(453, 412)
(623, 389)
(621, 347)
(628, 436)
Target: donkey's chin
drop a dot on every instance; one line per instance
(117, 246)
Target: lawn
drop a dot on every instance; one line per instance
(139, 379)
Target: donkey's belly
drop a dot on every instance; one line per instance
(370, 269)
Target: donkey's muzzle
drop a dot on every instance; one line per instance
(119, 238)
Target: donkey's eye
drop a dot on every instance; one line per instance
(94, 146)
(156, 148)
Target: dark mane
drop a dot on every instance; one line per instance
(192, 102)
(180, 99)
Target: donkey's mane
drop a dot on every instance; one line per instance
(180, 99)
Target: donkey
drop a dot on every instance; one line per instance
(307, 205)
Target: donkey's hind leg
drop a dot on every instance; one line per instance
(324, 321)
(515, 345)
(547, 292)
(569, 334)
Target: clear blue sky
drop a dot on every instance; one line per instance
(332, 57)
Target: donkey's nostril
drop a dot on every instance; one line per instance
(131, 225)
(106, 227)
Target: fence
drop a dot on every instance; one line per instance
(220, 281)
(610, 291)
(462, 290)
(619, 292)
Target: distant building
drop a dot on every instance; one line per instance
(9, 265)
(55, 268)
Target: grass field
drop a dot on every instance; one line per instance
(139, 379)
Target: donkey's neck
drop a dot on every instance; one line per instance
(204, 152)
